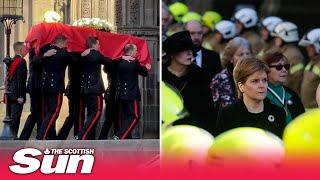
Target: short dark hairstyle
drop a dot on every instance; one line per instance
(273, 56)
(91, 41)
(18, 45)
(59, 38)
(129, 47)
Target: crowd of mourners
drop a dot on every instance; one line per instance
(248, 71)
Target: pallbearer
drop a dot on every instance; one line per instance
(127, 90)
(54, 63)
(91, 89)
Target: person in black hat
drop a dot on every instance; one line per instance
(190, 80)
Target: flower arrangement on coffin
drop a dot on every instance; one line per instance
(95, 23)
(51, 17)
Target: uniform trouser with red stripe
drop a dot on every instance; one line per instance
(72, 119)
(52, 102)
(111, 117)
(93, 103)
(129, 118)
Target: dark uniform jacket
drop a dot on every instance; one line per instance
(54, 68)
(127, 79)
(17, 78)
(35, 71)
(272, 118)
(91, 79)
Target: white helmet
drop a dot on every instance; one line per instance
(287, 31)
(227, 29)
(247, 16)
(312, 38)
(271, 22)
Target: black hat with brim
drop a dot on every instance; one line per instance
(178, 42)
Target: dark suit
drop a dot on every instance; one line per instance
(53, 87)
(211, 63)
(17, 88)
(128, 93)
(91, 89)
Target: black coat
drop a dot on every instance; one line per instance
(211, 63)
(91, 79)
(273, 118)
(195, 91)
(17, 80)
(53, 70)
(127, 79)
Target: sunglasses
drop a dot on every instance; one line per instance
(279, 67)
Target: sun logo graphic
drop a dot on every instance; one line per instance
(66, 160)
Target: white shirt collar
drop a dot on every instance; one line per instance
(198, 58)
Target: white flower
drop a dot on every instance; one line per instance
(95, 23)
(51, 16)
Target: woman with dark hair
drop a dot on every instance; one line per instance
(279, 94)
(252, 109)
(189, 80)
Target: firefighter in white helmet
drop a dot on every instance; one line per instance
(286, 39)
(311, 76)
(246, 22)
(267, 26)
(224, 31)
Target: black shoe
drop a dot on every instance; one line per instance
(115, 137)
(77, 137)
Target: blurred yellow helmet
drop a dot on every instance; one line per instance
(211, 18)
(246, 147)
(191, 16)
(172, 105)
(302, 137)
(185, 145)
(178, 10)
